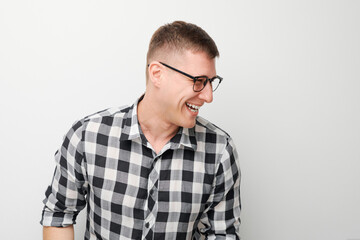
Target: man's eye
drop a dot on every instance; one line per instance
(201, 79)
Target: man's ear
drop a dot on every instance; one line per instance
(155, 73)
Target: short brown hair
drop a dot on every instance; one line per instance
(179, 36)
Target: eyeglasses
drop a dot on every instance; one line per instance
(200, 81)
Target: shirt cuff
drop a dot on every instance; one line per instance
(57, 219)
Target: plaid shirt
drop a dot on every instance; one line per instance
(190, 188)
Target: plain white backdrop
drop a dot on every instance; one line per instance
(290, 99)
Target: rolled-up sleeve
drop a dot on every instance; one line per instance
(222, 220)
(66, 195)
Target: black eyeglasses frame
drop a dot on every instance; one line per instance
(196, 78)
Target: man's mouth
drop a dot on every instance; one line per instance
(192, 107)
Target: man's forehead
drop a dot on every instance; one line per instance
(198, 63)
(191, 57)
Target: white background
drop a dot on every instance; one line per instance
(290, 99)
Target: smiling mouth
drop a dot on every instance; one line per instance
(193, 107)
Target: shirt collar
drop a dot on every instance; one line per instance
(131, 130)
(130, 124)
(185, 137)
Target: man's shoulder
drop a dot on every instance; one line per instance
(105, 118)
(204, 125)
(114, 112)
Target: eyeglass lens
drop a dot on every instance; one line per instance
(200, 83)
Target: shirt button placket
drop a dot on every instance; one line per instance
(152, 206)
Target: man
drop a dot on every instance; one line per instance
(153, 170)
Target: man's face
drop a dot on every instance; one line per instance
(180, 103)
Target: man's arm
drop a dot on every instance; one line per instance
(58, 233)
(66, 196)
(222, 219)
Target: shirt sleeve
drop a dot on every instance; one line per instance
(65, 197)
(222, 220)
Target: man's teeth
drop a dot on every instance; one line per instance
(192, 107)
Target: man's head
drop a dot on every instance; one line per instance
(179, 53)
(176, 38)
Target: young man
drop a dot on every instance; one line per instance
(153, 170)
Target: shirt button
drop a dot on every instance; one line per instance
(152, 192)
(147, 225)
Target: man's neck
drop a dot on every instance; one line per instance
(155, 128)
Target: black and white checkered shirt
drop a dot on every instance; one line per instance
(191, 188)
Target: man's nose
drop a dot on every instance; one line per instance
(207, 93)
